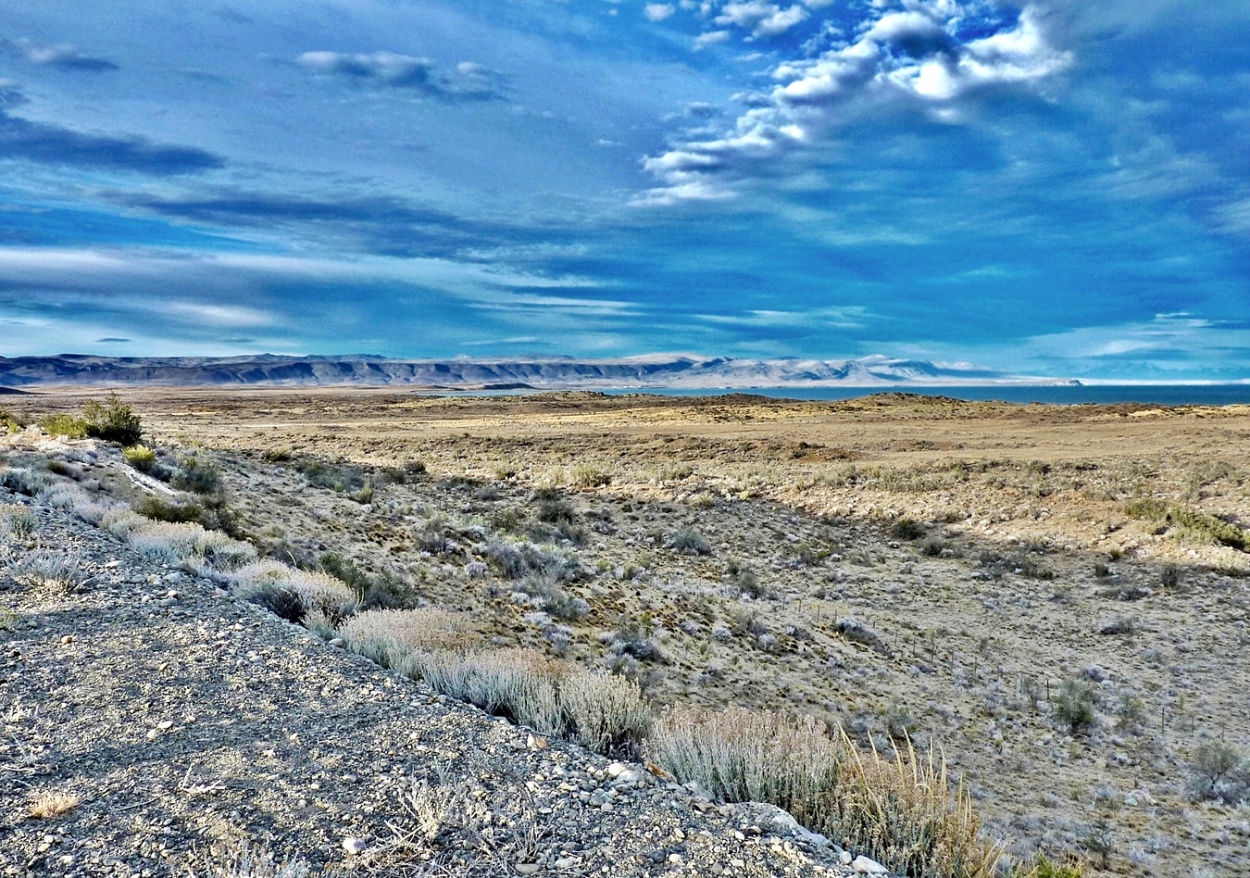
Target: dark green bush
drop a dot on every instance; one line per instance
(383, 592)
(1074, 706)
(907, 529)
(162, 510)
(112, 421)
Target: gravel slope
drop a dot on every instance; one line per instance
(186, 721)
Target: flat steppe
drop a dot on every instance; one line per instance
(896, 564)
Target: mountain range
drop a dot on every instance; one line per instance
(547, 373)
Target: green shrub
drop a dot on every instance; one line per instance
(1199, 524)
(162, 510)
(1045, 868)
(61, 468)
(385, 591)
(1220, 771)
(585, 476)
(556, 511)
(9, 422)
(1074, 706)
(140, 457)
(336, 477)
(933, 547)
(113, 421)
(65, 426)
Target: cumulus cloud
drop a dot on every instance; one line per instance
(932, 54)
(761, 18)
(62, 56)
(466, 81)
(658, 11)
(50, 144)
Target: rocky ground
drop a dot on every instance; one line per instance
(948, 572)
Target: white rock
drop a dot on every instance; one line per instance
(865, 866)
(616, 769)
(526, 868)
(354, 845)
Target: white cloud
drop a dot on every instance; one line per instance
(849, 317)
(710, 38)
(658, 11)
(900, 55)
(1163, 338)
(763, 19)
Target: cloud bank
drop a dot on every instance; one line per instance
(931, 56)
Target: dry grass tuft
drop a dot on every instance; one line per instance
(902, 813)
(292, 593)
(742, 755)
(387, 635)
(604, 713)
(906, 815)
(49, 804)
(240, 860)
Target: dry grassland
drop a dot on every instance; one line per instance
(1054, 596)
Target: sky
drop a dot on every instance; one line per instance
(1054, 188)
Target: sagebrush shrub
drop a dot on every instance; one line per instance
(197, 476)
(690, 542)
(1221, 771)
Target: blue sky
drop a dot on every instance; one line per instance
(1055, 187)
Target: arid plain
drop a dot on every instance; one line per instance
(1056, 598)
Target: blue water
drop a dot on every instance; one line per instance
(1160, 394)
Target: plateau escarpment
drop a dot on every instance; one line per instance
(483, 374)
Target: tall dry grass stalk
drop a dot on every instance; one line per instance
(602, 712)
(902, 812)
(748, 756)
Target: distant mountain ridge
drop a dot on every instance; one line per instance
(364, 370)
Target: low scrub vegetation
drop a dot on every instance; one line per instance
(1188, 521)
(111, 420)
(292, 593)
(140, 457)
(902, 812)
(602, 712)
